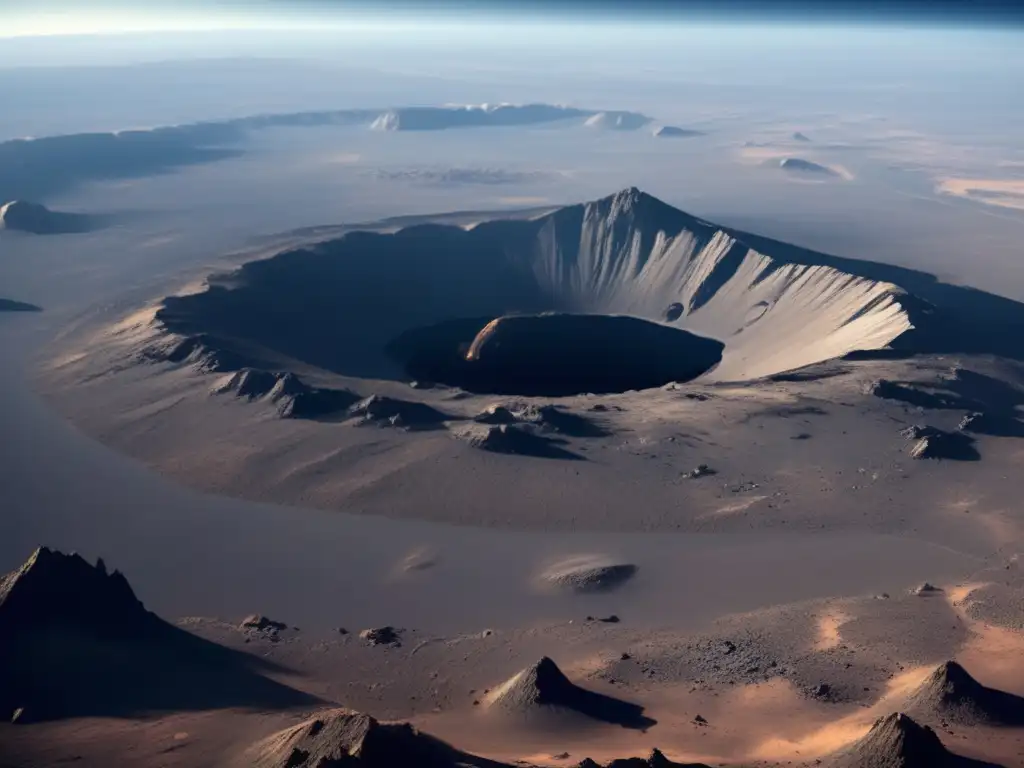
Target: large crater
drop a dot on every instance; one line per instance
(622, 293)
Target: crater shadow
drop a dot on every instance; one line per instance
(554, 355)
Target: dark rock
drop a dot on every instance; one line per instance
(262, 624)
(702, 470)
(822, 691)
(382, 636)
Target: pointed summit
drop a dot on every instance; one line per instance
(52, 588)
(896, 741)
(631, 212)
(543, 690)
(950, 693)
(632, 201)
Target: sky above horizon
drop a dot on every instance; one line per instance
(73, 17)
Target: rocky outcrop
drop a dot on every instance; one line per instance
(292, 397)
(391, 412)
(344, 737)
(588, 574)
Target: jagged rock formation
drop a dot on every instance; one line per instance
(951, 694)
(248, 384)
(549, 418)
(627, 254)
(56, 590)
(542, 693)
(9, 305)
(518, 439)
(36, 219)
(388, 411)
(675, 132)
(589, 574)
(75, 640)
(293, 398)
(896, 741)
(800, 166)
(934, 443)
(343, 737)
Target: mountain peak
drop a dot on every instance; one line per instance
(951, 693)
(632, 206)
(896, 740)
(55, 588)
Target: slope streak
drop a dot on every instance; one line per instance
(402, 304)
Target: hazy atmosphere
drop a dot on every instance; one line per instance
(547, 384)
